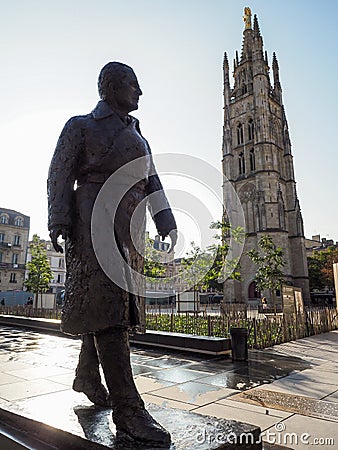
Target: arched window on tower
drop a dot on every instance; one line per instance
(252, 160)
(251, 130)
(241, 163)
(253, 292)
(240, 139)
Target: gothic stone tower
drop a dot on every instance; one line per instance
(257, 160)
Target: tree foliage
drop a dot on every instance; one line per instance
(320, 266)
(153, 267)
(209, 268)
(269, 261)
(39, 271)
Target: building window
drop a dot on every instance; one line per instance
(251, 130)
(240, 138)
(61, 263)
(18, 222)
(252, 160)
(15, 258)
(60, 279)
(4, 218)
(12, 278)
(241, 163)
(2, 237)
(17, 240)
(0, 257)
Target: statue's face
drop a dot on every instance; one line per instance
(127, 93)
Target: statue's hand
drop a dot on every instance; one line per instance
(54, 234)
(173, 237)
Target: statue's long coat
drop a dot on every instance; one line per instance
(90, 149)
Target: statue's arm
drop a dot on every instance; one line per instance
(61, 178)
(159, 207)
(158, 204)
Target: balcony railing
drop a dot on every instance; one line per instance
(12, 266)
(5, 244)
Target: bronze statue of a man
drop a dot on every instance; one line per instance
(90, 149)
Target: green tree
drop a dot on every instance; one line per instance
(209, 268)
(153, 267)
(320, 266)
(269, 261)
(39, 271)
(315, 266)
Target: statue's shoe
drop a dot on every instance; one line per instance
(138, 426)
(94, 390)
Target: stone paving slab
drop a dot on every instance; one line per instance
(227, 412)
(306, 388)
(236, 401)
(195, 393)
(304, 433)
(26, 389)
(325, 376)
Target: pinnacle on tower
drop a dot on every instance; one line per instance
(256, 26)
(225, 62)
(266, 57)
(226, 69)
(276, 82)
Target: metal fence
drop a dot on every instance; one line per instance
(263, 331)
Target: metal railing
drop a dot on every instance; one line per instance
(263, 331)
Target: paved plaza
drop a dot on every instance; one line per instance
(289, 391)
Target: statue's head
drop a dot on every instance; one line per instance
(118, 85)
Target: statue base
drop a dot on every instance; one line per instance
(188, 431)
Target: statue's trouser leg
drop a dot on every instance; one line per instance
(87, 374)
(88, 364)
(129, 414)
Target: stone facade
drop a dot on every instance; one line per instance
(14, 231)
(258, 162)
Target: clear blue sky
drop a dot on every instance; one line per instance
(52, 52)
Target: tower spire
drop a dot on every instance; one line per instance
(258, 162)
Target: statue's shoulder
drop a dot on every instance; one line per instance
(76, 123)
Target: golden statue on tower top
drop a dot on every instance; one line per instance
(247, 18)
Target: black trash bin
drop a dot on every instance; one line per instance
(239, 343)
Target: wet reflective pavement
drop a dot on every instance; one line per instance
(37, 369)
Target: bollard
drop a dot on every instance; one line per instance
(239, 344)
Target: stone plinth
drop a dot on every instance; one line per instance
(188, 431)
